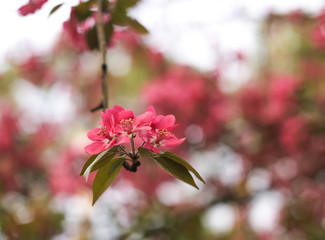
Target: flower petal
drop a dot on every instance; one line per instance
(151, 147)
(117, 108)
(144, 128)
(172, 141)
(143, 120)
(172, 127)
(162, 122)
(115, 111)
(96, 147)
(123, 139)
(93, 134)
(152, 109)
(169, 121)
(126, 114)
(108, 119)
(157, 121)
(146, 136)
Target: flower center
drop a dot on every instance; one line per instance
(127, 124)
(161, 135)
(103, 132)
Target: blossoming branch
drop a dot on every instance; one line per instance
(121, 130)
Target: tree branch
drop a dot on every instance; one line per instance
(99, 106)
(102, 48)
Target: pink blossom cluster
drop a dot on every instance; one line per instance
(271, 103)
(282, 119)
(196, 101)
(76, 29)
(270, 112)
(31, 7)
(63, 174)
(317, 33)
(37, 70)
(21, 152)
(119, 126)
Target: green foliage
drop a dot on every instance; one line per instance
(135, 25)
(146, 153)
(96, 161)
(89, 161)
(92, 39)
(125, 4)
(173, 164)
(178, 159)
(105, 159)
(175, 169)
(105, 176)
(109, 167)
(83, 10)
(55, 8)
(121, 18)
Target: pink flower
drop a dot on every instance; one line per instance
(77, 29)
(251, 102)
(63, 173)
(294, 134)
(130, 124)
(118, 126)
(31, 7)
(107, 136)
(72, 28)
(160, 135)
(281, 98)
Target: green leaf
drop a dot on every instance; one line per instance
(134, 24)
(55, 8)
(183, 162)
(105, 176)
(119, 14)
(145, 153)
(94, 159)
(89, 161)
(119, 17)
(108, 28)
(92, 39)
(83, 10)
(101, 162)
(125, 4)
(175, 169)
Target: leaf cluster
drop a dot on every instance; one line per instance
(118, 16)
(109, 164)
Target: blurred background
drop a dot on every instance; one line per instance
(246, 82)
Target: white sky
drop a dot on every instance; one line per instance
(189, 31)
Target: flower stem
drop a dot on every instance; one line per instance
(125, 152)
(102, 48)
(133, 149)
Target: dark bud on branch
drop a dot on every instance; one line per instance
(131, 168)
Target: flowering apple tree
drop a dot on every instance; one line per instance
(90, 27)
(264, 141)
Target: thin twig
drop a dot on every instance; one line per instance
(133, 149)
(123, 150)
(102, 48)
(99, 106)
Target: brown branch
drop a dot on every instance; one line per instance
(102, 48)
(99, 106)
